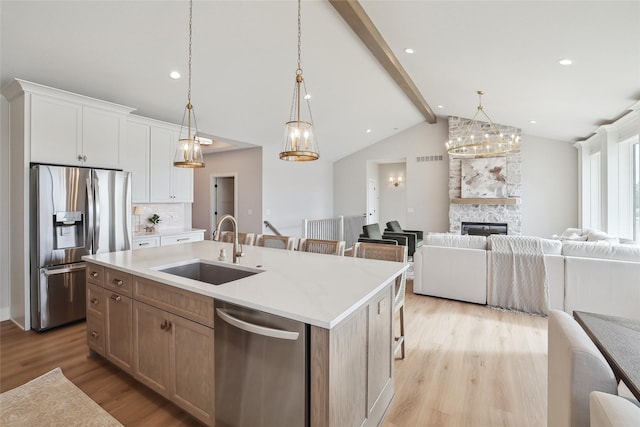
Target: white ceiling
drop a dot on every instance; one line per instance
(244, 60)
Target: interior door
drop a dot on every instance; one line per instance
(372, 201)
(222, 199)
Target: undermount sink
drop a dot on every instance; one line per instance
(208, 272)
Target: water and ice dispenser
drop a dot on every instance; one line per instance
(69, 229)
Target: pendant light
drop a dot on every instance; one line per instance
(189, 152)
(482, 139)
(300, 144)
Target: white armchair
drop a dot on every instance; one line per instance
(575, 369)
(608, 410)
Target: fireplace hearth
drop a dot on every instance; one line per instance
(483, 228)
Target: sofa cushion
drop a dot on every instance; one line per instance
(602, 250)
(456, 241)
(551, 246)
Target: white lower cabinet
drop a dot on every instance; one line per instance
(181, 238)
(145, 242)
(173, 239)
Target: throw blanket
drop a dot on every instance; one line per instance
(519, 277)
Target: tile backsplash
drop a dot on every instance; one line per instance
(172, 215)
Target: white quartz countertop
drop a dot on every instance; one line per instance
(167, 232)
(320, 290)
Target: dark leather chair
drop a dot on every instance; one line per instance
(414, 237)
(371, 234)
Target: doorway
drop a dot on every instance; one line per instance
(224, 196)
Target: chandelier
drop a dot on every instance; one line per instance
(482, 138)
(300, 144)
(189, 152)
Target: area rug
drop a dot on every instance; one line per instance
(51, 400)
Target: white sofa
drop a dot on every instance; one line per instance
(602, 278)
(452, 266)
(599, 277)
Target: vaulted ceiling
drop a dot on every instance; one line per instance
(244, 61)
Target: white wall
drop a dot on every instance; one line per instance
(549, 179)
(293, 191)
(549, 186)
(4, 209)
(393, 200)
(427, 197)
(246, 165)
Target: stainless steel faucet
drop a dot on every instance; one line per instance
(236, 252)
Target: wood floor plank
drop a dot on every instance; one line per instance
(466, 365)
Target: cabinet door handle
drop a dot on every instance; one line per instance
(116, 297)
(165, 326)
(80, 157)
(94, 274)
(118, 282)
(84, 158)
(183, 239)
(95, 301)
(95, 334)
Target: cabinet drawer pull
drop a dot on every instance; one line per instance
(94, 274)
(143, 243)
(118, 282)
(116, 297)
(183, 239)
(95, 301)
(95, 334)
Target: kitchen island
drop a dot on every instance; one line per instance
(346, 302)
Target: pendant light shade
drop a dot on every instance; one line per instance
(300, 143)
(189, 152)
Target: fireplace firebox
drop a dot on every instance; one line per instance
(483, 228)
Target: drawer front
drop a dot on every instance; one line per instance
(146, 242)
(95, 333)
(118, 281)
(95, 300)
(181, 238)
(189, 305)
(95, 274)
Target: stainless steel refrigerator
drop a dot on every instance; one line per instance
(74, 212)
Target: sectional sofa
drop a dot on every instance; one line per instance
(600, 277)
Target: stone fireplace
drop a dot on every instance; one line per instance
(507, 210)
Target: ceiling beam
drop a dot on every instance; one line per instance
(360, 23)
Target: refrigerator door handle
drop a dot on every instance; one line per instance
(52, 272)
(96, 227)
(90, 215)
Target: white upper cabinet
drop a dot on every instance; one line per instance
(101, 136)
(134, 158)
(56, 130)
(69, 129)
(167, 182)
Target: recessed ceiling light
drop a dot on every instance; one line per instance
(368, 130)
(408, 50)
(440, 106)
(174, 75)
(307, 96)
(533, 122)
(565, 61)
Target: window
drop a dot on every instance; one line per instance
(595, 192)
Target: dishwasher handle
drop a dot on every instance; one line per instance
(257, 329)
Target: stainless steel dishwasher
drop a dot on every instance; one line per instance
(261, 369)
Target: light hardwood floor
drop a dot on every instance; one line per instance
(466, 365)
